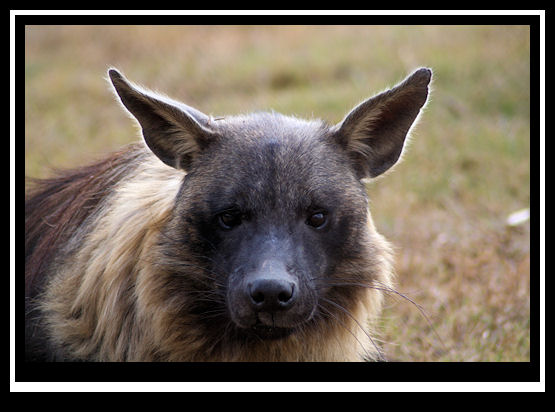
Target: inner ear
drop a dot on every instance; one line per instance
(374, 132)
(173, 133)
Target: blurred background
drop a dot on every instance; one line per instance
(463, 258)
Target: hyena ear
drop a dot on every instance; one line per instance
(374, 132)
(173, 131)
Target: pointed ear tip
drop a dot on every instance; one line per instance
(115, 75)
(422, 76)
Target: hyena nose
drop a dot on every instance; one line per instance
(272, 295)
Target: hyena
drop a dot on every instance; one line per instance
(236, 238)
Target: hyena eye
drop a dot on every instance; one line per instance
(317, 220)
(228, 220)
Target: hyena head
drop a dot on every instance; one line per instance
(270, 241)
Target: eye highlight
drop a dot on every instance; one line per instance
(317, 220)
(229, 219)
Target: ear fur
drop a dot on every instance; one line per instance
(173, 131)
(374, 132)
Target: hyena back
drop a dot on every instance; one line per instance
(243, 238)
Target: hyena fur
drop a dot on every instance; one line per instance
(242, 238)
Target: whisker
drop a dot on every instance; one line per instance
(381, 355)
(420, 309)
(342, 324)
(216, 313)
(377, 285)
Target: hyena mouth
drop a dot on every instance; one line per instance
(270, 332)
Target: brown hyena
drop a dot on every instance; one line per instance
(240, 238)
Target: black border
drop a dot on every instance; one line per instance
(281, 372)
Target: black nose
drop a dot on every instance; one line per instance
(271, 295)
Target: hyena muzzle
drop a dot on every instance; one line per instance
(237, 238)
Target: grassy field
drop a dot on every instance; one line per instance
(444, 207)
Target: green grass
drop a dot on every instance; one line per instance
(444, 207)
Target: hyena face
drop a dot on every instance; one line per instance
(271, 222)
(278, 211)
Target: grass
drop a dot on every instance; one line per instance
(444, 207)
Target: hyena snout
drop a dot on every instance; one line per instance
(270, 296)
(272, 289)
